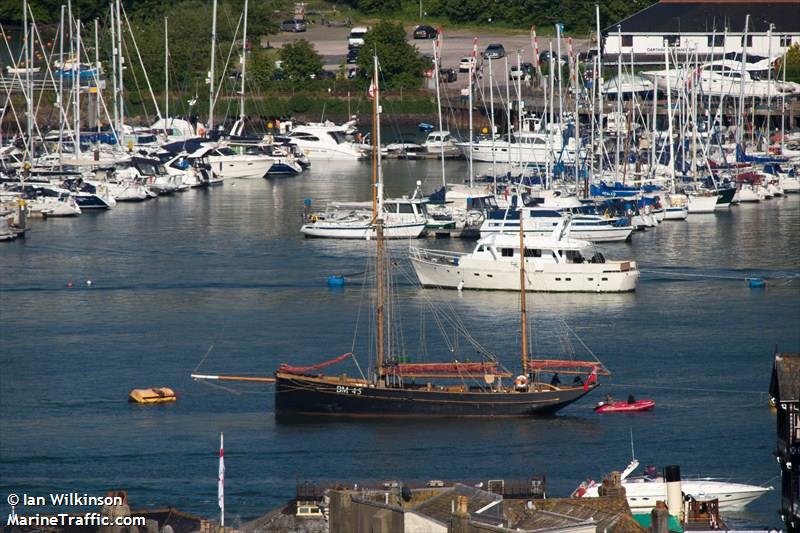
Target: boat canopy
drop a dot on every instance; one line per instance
(453, 369)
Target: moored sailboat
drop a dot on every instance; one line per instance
(397, 388)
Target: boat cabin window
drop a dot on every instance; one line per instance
(405, 208)
(481, 248)
(507, 252)
(574, 256)
(338, 136)
(532, 252)
(716, 40)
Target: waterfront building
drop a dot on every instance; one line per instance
(706, 27)
(784, 391)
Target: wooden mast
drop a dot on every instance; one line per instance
(522, 297)
(377, 213)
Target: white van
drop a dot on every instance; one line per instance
(356, 37)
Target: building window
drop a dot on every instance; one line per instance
(786, 41)
(749, 40)
(795, 425)
(672, 40)
(716, 40)
(627, 40)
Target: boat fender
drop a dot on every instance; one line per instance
(521, 381)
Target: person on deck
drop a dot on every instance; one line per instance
(631, 399)
(556, 381)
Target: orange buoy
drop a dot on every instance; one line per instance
(154, 395)
(69, 284)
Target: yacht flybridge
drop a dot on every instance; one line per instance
(553, 264)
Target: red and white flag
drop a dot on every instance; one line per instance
(221, 480)
(371, 90)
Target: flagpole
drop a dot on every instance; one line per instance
(221, 484)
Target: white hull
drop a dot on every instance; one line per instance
(343, 152)
(676, 213)
(359, 230)
(702, 204)
(514, 153)
(790, 184)
(240, 166)
(642, 495)
(582, 233)
(434, 270)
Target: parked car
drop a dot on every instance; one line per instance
(352, 56)
(294, 25)
(544, 57)
(494, 51)
(447, 75)
(465, 63)
(524, 70)
(425, 32)
(356, 37)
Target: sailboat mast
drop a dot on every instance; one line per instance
(211, 74)
(377, 203)
(522, 297)
(436, 58)
(166, 68)
(244, 63)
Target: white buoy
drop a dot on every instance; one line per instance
(88, 283)
(460, 285)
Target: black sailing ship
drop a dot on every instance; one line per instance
(454, 389)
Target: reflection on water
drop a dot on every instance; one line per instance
(228, 269)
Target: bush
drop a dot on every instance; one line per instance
(300, 103)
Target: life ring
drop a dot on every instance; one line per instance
(201, 130)
(521, 381)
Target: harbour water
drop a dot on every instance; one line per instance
(228, 268)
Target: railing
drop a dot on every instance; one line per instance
(430, 256)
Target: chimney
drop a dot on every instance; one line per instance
(461, 506)
(612, 485)
(672, 477)
(659, 518)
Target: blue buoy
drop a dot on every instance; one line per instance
(756, 283)
(336, 281)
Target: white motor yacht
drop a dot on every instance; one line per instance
(552, 265)
(644, 491)
(404, 218)
(44, 200)
(526, 147)
(722, 78)
(541, 221)
(439, 142)
(228, 164)
(326, 141)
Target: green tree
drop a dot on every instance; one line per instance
(792, 64)
(300, 61)
(401, 65)
(260, 69)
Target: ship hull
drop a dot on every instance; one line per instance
(306, 395)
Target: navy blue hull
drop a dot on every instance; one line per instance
(305, 395)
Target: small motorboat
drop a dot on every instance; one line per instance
(624, 407)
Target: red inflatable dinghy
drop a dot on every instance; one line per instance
(624, 407)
